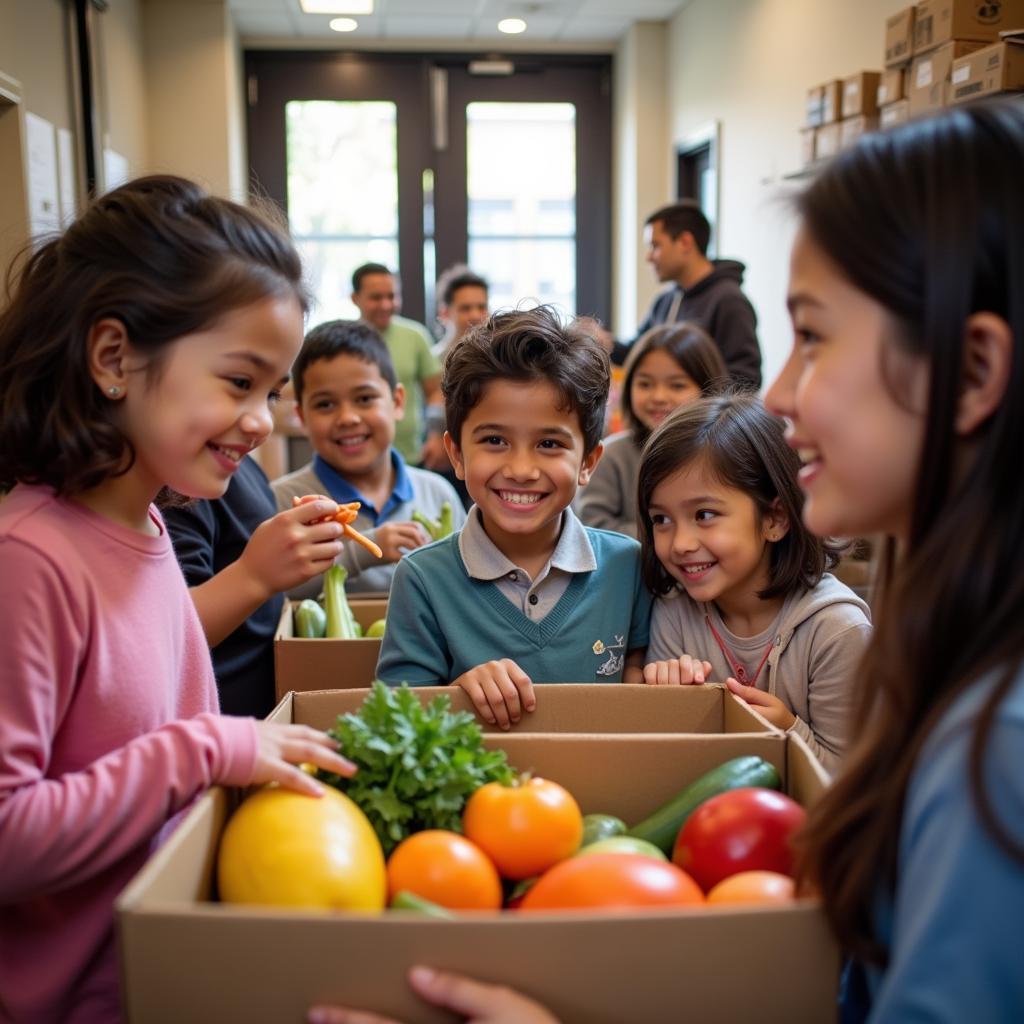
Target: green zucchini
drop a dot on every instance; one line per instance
(662, 827)
(310, 619)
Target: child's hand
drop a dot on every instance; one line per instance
(679, 671)
(768, 705)
(477, 1002)
(395, 539)
(286, 550)
(500, 690)
(282, 747)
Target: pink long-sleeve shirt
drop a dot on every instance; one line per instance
(108, 729)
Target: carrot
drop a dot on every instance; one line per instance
(347, 513)
(360, 539)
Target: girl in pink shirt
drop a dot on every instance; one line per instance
(141, 352)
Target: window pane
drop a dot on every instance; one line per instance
(342, 193)
(521, 192)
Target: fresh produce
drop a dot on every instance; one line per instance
(601, 826)
(285, 849)
(347, 514)
(404, 900)
(743, 830)
(436, 528)
(417, 765)
(341, 624)
(310, 619)
(662, 827)
(376, 628)
(444, 868)
(622, 844)
(612, 881)
(524, 826)
(754, 887)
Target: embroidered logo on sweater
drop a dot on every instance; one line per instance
(612, 665)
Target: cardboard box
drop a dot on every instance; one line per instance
(860, 94)
(899, 38)
(807, 145)
(891, 86)
(938, 21)
(928, 89)
(826, 142)
(304, 664)
(893, 114)
(569, 707)
(853, 128)
(832, 101)
(992, 69)
(815, 106)
(185, 957)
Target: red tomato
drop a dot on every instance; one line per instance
(753, 887)
(446, 869)
(616, 881)
(524, 828)
(747, 829)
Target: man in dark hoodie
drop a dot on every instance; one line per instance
(706, 292)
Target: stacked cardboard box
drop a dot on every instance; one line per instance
(272, 964)
(992, 69)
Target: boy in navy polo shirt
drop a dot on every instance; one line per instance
(524, 593)
(349, 400)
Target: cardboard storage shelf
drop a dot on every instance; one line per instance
(270, 965)
(303, 664)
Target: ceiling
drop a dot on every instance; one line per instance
(440, 22)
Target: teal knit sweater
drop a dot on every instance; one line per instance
(442, 622)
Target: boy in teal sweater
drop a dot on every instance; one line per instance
(524, 593)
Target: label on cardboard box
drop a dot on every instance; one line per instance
(923, 78)
(961, 74)
(895, 113)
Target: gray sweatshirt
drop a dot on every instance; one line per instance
(609, 499)
(816, 643)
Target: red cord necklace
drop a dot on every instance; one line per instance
(738, 669)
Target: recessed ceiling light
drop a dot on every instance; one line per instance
(343, 24)
(337, 6)
(512, 26)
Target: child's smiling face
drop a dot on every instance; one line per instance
(521, 454)
(659, 385)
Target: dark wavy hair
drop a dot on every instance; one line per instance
(158, 254)
(744, 447)
(529, 345)
(342, 338)
(928, 220)
(691, 347)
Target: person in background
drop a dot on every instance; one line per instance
(351, 402)
(706, 292)
(669, 366)
(903, 393)
(140, 352)
(462, 304)
(375, 294)
(239, 555)
(524, 593)
(742, 592)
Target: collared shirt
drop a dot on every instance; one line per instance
(533, 597)
(342, 491)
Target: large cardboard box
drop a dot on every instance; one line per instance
(894, 113)
(891, 86)
(826, 143)
(304, 664)
(832, 101)
(992, 69)
(929, 85)
(815, 106)
(860, 94)
(899, 38)
(853, 128)
(187, 958)
(938, 21)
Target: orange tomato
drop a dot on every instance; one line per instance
(754, 887)
(446, 869)
(612, 881)
(524, 828)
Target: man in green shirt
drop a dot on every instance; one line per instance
(375, 293)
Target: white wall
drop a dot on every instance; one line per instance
(749, 64)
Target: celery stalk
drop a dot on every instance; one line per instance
(341, 625)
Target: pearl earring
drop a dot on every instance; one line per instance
(113, 391)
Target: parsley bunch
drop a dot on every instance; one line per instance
(417, 765)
